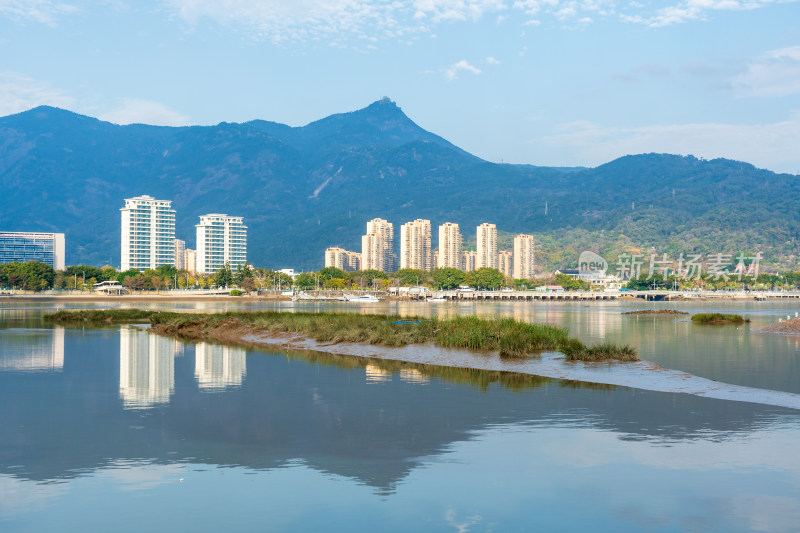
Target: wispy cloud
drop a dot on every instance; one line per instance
(20, 93)
(492, 61)
(43, 11)
(689, 10)
(451, 73)
(772, 145)
(136, 111)
(776, 73)
(339, 22)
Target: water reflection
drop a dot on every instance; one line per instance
(218, 367)
(146, 368)
(32, 350)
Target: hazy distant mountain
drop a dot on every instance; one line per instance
(303, 189)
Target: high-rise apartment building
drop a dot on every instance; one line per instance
(29, 246)
(377, 246)
(449, 246)
(487, 246)
(505, 263)
(523, 256)
(220, 239)
(467, 260)
(342, 259)
(415, 245)
(180, 254)
(148, 233)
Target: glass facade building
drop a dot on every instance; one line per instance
(30, 246)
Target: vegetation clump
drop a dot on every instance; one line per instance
(718, 318)
(656, 312)
(509, 337)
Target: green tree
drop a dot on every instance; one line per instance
(412, 276)
(571, 284)
(448, 278)
(486, 278)
(224, 276)
(328, 273)
(32, 275)
(305, 281)
(366, 278)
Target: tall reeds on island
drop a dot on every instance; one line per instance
(718, 318)
(509, 337)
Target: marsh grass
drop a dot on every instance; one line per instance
(718, 318)
(509, 337)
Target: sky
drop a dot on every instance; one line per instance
(543, 82)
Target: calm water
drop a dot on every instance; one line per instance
(116, 429)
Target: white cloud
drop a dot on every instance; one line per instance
(453, 70)
(492, 61)
(20, 93)
(135, 111)
(695, 10)
(44, 11)
(770, 145)
(777, 73)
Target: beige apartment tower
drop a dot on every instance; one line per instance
(523, 256)
(487, 246)
(342, 259)
(467, 260)
(449, 246)
(415, 245)
(505, 263)
(377, 246)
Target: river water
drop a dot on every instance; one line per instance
(115, 429)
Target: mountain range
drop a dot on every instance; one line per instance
(302, 189)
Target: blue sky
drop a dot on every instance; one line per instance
(545, 82)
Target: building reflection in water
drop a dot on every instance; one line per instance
(33, 351)
(146, 368)
(412, 375)
(376, 374)
(219, 367)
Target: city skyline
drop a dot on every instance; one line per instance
(416, 250)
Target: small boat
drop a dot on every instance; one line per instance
(361, 299)
(436, 300)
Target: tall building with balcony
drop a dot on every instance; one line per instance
(148, 233)
(523, 256)
(505, 263)
(342, 259)
(377, 246)
(449, 246)
(415, 245)
(220, 239)
(32, 246)
(487, 246)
